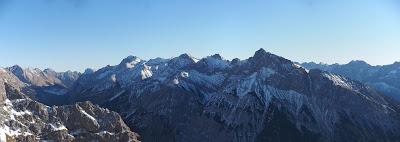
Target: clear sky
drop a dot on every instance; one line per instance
(76, 34)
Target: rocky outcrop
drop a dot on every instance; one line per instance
(23, 119)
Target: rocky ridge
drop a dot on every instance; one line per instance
(263, 98)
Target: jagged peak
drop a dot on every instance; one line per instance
(16, 68)
(130, 61)
(261, 53)
(358, 62)
(88, 71)
(396, 63)
(235, 60)
(48, 70)
(312, 62)
(182, 60)
(187, 57)
(213, 57)
(217, 56)
(70, 72)
(130, 58)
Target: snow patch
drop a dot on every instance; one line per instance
(116, 96)
(297, 65)
(244, 86)
(267, 72)
(175, 81)
(146, 72)
(338, 80)
(3, 137)
(20, 113)
(8, 107)
(103, 133)
(5, 130)
(132, 63)
(113, 78)
(88, 115)
(184, 74)
(58, 128)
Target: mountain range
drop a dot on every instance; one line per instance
(383, 78)
(263, 98)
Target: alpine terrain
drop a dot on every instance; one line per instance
(262, 98)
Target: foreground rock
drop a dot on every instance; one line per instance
(22, 119)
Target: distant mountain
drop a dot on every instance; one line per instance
(262, 98)
(45, 86)
(23, 119)
(47, 77)
(385, 79)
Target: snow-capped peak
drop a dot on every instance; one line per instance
(130, 61)
(189, 57)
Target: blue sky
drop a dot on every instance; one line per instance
(76, 34)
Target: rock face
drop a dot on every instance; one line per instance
(263, 98)
(7, 77)
(384, 79)
(22, 119)
(47, 86)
